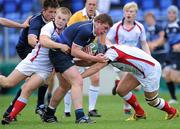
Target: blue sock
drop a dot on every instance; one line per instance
(79, 113)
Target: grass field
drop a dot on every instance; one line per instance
(110, 108)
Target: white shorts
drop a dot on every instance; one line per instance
(152, 81)
(29, 68)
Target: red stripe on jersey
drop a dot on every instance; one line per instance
(116, 36)
(123, 57)
(37, 52)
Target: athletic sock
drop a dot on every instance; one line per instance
(41, 94)
(171, 88)
(132, 100)
(67, 102)
(79, 113)
(93, 95)
(18, 107)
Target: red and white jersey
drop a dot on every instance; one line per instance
(131, 59)
(40, 55)
(119, 35)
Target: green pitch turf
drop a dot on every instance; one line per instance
(110, 107)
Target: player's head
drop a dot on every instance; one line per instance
(49, 9)
(103, 22)
(150, 18)
(90, 6)
(172, 13)
(62, 17)
(130, 10)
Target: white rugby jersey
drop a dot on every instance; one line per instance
(131, 59)
(119, 35)
(40, 55)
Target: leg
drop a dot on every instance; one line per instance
(167, 74)
(12, 80)
(93, 95)
(29, 86)
(67, 104)
(153, 100)
(128, 83)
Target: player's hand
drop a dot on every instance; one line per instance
(87, 49)
(176, 47)
(152, 46)
(65, 48)
(26, 22)
(101, 58)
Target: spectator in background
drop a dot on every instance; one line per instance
(171, 72)
(88, 13)
(12, 24)
(154, 33)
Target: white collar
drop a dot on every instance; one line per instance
(84, 12)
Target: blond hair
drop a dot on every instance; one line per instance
(130, 5)
(64, 10)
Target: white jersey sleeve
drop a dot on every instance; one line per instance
(143, 33)
(48, 29)
(112, 33)
(111, 54)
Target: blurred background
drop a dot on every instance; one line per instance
(19, 10)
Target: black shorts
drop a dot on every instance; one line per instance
(23, 51)
(173, 60)
(160, 57)
(60, 60)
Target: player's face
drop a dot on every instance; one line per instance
(61, 20)
(171, 16)
(130, 15)
(91, 7)
(150, 20)
(49, 14)
(101, 28)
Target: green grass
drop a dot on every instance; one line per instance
(110, 107)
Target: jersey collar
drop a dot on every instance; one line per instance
(84, 12)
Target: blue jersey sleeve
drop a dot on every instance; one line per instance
(35, 27)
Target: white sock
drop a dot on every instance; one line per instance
(126, 106)
(93, 94)
(67, 102)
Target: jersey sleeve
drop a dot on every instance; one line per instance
(48, 29)
(112, 33)
(143, 34)
(111, 54)
(35, 27)
(81, 38)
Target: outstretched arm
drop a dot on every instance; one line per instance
(93, 69)
(13, 24)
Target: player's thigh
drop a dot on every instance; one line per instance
(33, 83)
(128, 82)
(175, 76)
(73, 76)
(15, 77)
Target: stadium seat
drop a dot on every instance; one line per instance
(26, 6)
(1, 41)
(148, 4)
(25, 15)
(9, 7)
(77, 5)
(165, 4)
(13, 16)
(116, 14)
(13, 39)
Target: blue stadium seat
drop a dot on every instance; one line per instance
(24, 16)
(77, 5)
(13, 16)
(26, 6)
(1, 41)
(9, 7)
(116, 14)
(165, 4)
(140, 15)
(13, 39)
(155, 11)
(148, 4)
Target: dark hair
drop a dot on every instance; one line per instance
(50, 4)
(104, 18)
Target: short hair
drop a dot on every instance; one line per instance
(130, 5)
(149, 14)
(50, 4)
(64, 10)
(174, 9)
(104, 18)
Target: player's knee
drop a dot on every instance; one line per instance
(154, 101)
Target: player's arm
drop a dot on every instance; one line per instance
(13, 24)
(48, 43)
(93, 69)
(77, 52)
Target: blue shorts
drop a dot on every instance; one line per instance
(60, 60)
(173, 60)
